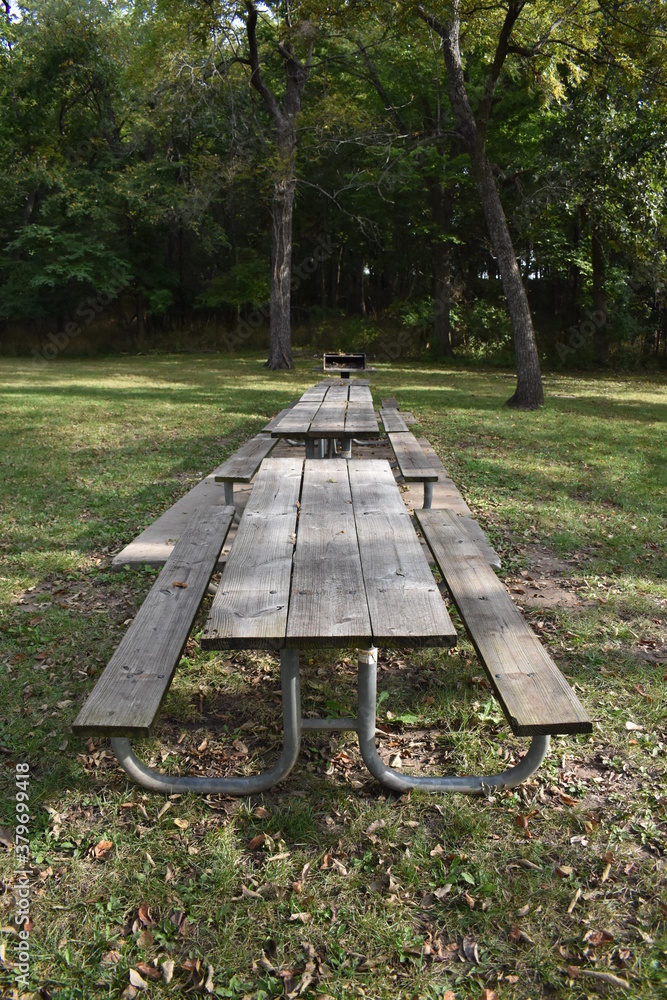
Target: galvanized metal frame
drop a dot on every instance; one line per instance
(293, 725)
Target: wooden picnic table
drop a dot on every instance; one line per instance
(326, 554)
(329, 412)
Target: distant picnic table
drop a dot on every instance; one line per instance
(326, 555)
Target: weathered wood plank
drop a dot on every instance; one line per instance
(405, 605)
(297, 422)
(154, 545)
(128, 695)
(360, 394)
(414, 465)
(535, 696)
(389, 403)
(329, 421)
(447, 497)
(244, 463)
(249, 610)
(328, 598)
(392, 420)
(360, 420)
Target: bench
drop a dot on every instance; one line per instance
(390, 403)
(534, 695)
(413, 464)
(127, 697)
(242, 466)
(153, 546)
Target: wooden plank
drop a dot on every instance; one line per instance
(360, 394)
(413, 463)
(249, 610)
(316, 392)
(329, 421)
(447, 497)
(244, 463)
(126, 699)
(297, 422)
(360, 420)
(535, 696)
(274, 421)
(405, 605)
(328, 598)
(154, 545)
(393, 421)
(389, 403)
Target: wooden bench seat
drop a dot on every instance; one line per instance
(127, 697)
(242, 466)
(533, 693)
(390, 404)
(392, 420)
(413, 464)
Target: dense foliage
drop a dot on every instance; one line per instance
(138, 165)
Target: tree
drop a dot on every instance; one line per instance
(284, 118)
(473, 128)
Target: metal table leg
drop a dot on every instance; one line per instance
(250, 785)
(310, 447)
(392, 778)
(346, 447)
(428, 495)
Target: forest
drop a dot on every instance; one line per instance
(475, 178)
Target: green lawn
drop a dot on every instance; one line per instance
(547, 891)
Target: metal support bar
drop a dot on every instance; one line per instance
(321, 448)
(310, 447)
(329, 724)
(250, 785)
(229, 494)
(428, 495)
(389, 776)
(346, 447)
(331, 452)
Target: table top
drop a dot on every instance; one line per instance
(330, 410)
(326, 555)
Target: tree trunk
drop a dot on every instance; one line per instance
(280, 348)
(529, 392)
(601, 335)
(441, 214)
(284, 120)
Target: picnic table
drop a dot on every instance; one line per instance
(326, 555)
(329, 412)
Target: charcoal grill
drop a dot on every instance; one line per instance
(344, 364)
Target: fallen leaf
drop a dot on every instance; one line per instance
(468, 900)
(110, 958)
(179, 583)
(574, 901)
(164, 808)
(202, 746)
(470, 949)
(489, 995)
(449, 995)
(305, 918)
(523, 911)
(182, 824)
(596, 938)
(606, 977)
(168, 971)
(145, 915)
(137, 981)
(256, 842)
(208, 985)
(564, 870)
(102, 850)
(261, 813)
(250, 893)
(148, 970)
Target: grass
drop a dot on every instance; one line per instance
(353, 891)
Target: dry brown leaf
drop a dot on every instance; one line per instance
(261, 813)
(305, 918)
(145, 915)
(257, 842)
(110, 958)
(182, 824)
(103, 849)
(449, 995)
(148, 970)
(564, 870)
(179, 583)
(202, 746)
(489, 995)
(468, 900)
